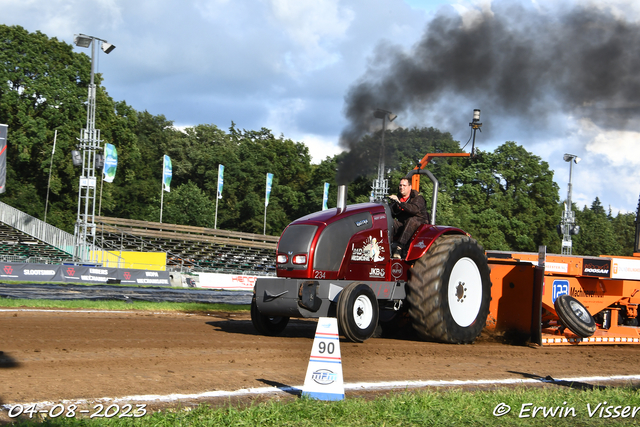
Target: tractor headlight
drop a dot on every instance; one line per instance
(300, 259)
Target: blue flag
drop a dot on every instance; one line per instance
(269, 181)
(220, 180)
(110, 162)
(166, 174)
(325, 196)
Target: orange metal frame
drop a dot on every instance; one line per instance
(415, 180)
(522, 300)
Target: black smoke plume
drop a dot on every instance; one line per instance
(520, 63)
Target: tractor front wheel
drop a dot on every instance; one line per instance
(357, 312)
(267, 325)
(575, 316)
(449, 291)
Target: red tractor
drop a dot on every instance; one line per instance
(337, 263)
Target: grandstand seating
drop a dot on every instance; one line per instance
(16, 246)
(188, 248)
(191, 248)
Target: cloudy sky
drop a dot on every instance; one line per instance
(556, 77)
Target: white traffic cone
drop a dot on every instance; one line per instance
(324, 374)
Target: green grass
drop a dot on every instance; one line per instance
(423, 408)
(120, 305)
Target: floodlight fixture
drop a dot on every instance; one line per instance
(476, 115)
(569, 157)
(107, 47)
(82, 40)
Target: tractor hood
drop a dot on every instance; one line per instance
(318, 241)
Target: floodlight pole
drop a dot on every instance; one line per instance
(567, 225)
(89, 144)
(381, 185)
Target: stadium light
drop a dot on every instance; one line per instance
(90, 145)
(567, 227)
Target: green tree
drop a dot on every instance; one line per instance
(597, 236)
(42, 88)
(624, 227)
(186, 204)
(138, 182)
(508, 200)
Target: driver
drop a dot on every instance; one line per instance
(409, 212)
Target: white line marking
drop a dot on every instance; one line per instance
(352, 386)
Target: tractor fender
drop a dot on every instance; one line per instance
(424, 238)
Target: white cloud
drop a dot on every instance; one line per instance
(314, 26)
(473, 12)
(618, 147)
(320, 147)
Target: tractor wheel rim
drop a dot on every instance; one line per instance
(579, 311)
(362, 312)
(465, 292)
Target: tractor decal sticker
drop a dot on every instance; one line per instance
(362, 222)
(560, 287)
(420, 245)
(371, 250)
(376, 218)
(596, 267)
(377, 272)
(396, 270)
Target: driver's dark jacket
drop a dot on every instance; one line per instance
(414, 206)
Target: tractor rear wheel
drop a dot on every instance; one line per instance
(575, 316)
(357, 312)
(267, 325)
(449, 291)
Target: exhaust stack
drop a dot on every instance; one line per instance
(342, 198)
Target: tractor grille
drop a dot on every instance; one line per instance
(296, 240)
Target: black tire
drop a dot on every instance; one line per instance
(267, 325)
(357, 312)
(446, 307)
(574, 316)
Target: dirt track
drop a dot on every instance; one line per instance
(68, 355)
